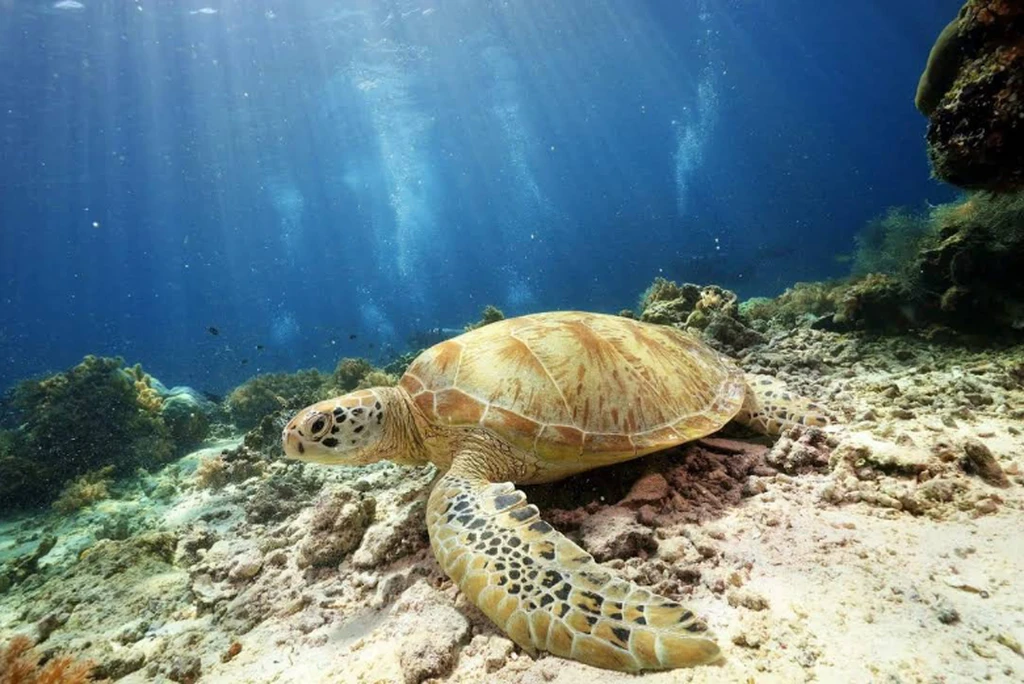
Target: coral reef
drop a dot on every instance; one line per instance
(800, 304)
(952, 273)
(970, 91)
(378, 378)
(92, 416)
(350, 372)
(264, 395)
(228, 466)
(968, 276)
(896, 526)
(147, 395)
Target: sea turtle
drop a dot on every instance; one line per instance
(535, 399)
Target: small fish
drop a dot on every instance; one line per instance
(213, 331)
(204, 10)
(353, 336)
(245, 361)
(68, 5)
(259, 347)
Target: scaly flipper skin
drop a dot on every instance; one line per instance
(547, 593)
(769, 408)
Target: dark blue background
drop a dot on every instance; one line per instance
(297, 173)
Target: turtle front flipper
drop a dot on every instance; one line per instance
(547, 593)
(770, 408)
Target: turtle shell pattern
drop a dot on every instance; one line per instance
(571, 385)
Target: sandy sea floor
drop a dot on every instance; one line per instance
(884, 549)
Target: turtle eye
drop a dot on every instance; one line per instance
(318, 427)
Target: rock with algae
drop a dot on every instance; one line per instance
(94, 415)
(972, 91)
(267, 394)
(709, 310)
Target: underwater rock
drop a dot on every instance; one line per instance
(336, 527)
(979, 460)
(800, 451)
(971, 91)
(187, 550)
(747, 599)
(287, 488)
(188, 414)
(731, 334)
(22, 567)
(876, 302)
(185, 669)
(427, 654)
(649, 489)
(388, 540)
(614, 533)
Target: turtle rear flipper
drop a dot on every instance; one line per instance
(546, 592)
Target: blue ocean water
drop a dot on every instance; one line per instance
(314, 179)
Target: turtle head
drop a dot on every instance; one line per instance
(346, 430)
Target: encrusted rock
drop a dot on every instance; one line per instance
(423, 655)
(614, 533)
(808, 452)
(189, 546)
(337, 526)
(980, 461)
(748, 599)
(246, 566)
(388, 540)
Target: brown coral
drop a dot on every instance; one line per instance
(19, 664)
(148, 398)
(85, 490)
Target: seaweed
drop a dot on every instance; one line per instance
(889, 243)
(491, 314)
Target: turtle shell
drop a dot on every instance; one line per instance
(568, 385)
